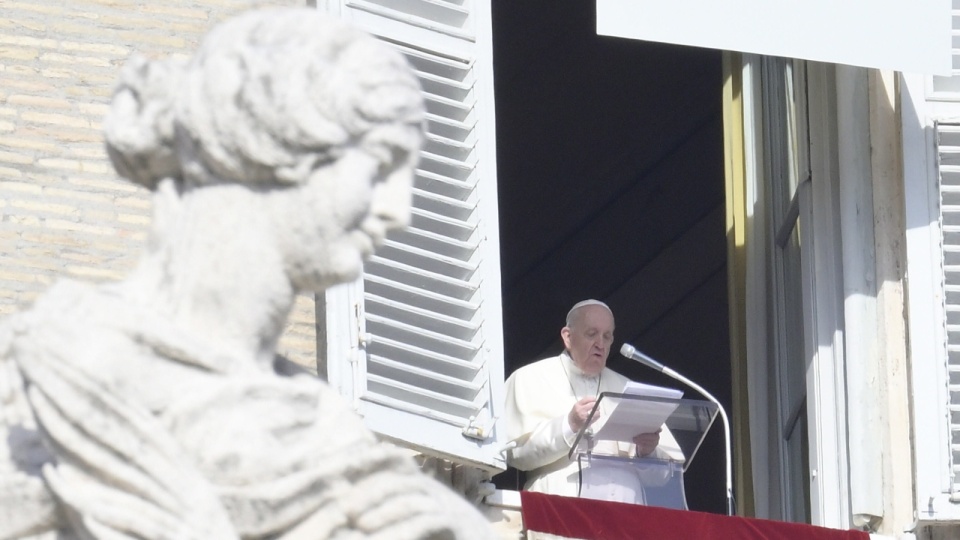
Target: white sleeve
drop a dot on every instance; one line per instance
(540, 438)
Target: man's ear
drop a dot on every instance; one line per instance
(565, 335)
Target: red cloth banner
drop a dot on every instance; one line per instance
(600, 520)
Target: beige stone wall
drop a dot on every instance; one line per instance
(63, 211)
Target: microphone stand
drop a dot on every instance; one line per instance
(631, 352)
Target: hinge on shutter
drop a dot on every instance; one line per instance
(480, 426)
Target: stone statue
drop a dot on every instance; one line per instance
(279, 156)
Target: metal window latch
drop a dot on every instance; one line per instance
(480, 426)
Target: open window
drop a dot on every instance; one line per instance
(416, 343)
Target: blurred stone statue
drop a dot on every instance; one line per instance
(279, 156)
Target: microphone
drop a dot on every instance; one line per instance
(632, 353)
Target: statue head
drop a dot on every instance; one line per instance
(322, 119)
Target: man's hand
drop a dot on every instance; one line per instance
(577, 417)
(647, 443)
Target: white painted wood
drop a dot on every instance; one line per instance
(788, 358)
(948, 148)
(344, 356)
(902, 35)
(758, 356)
(943, 87)
(826, 408)
(428, 372)
(926, 316)
(859, 296)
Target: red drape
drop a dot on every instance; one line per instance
(600, 520)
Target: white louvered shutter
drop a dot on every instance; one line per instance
(949, 86)
(948, 144)
(422, 355)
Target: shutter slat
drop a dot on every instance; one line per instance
(428, 241)
(429, 261)
(462, 328)
(443, 166)
(435, 15)
(440, 224)
(456, 131)
(457, 111)
(423, 336)
(457, 420)
(442, 186)
(455, 91)
(413, 376)
(423, 298)
(460, 209)
(421, 397)
(458, 71)
(455, 144)
(438, 205)
(410, 353)
(443, 146)
(441, 284)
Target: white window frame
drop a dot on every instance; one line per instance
(926, 322)
(825, 380)
(823, 308)
(931, 93)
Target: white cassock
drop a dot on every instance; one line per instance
(539, 397)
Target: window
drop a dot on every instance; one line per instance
(948, 160)
(799, 407)
(947, 87)
(931, 141)
(788, 176)
(416, 344)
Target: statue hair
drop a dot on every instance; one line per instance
(245, 109)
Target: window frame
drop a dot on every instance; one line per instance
(821, 267)
(925, 315)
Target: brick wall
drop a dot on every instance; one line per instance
(63, 211)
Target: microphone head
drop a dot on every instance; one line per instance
(632, 353)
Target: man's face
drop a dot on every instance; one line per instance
(589, 337)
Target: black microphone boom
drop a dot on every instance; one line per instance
(632, 353)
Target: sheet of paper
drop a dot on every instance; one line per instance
(631, 417)
(643, 389)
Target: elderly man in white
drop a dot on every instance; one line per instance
(549, 401)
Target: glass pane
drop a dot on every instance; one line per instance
(946, 84)
(793, 380)
(778, 146)
(798, 463)
(951, 84)
(792, 166)
(787, 162)
(796, 100)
